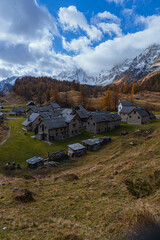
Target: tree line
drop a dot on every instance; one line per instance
(44, 90)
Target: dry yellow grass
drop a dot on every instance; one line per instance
(95, 207)
(3, 131)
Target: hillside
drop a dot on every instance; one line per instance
(3, 131)
(133, 70)
(84, 198)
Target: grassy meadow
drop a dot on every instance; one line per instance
(97, 204)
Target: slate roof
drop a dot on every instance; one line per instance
(18, 109)
(66, 111)
(54, 123)
(105, 117)
(36, 109)
(126, 103)
(76, 146)
(82, 112)
(69, 118)
(142, 112)
(127, 110)
(12, 113)
(31, 119)
(55, 105)
(91, 142)
(46, 115)
(34, 160)
(30, 102)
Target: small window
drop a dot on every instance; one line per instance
(94, 124)
(74, 125)
(138, 117)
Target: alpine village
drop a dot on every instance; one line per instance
(79, 152)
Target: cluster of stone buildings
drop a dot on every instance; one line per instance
(131, 114)
(55, 123)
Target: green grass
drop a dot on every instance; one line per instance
(20, 147)
(97, 206)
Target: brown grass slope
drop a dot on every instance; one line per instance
(94, 206)
(3, 131)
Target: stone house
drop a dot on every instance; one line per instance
(73, 125)
(95, 143)
(52, 129)
(82, 114)
(125, 112)
(76, 150)
(139, 116)
(100, 122)
(31, 122)
(2, 116)
(18, 111)
(124, 108)
(57, 128)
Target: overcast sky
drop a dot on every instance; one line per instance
(45, 37)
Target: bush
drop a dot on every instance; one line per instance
(24, 196)
(143, 188)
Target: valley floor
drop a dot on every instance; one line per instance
(94, 205)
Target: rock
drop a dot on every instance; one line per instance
(24, 195)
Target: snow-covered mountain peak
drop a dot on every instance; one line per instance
(133, 69)
(77, 75)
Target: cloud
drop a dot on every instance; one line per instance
(25, 19)
(73, 20)
(112, 52)
(27, 31)
(111, 28)
(109, 16)
(116, 1)
(28, 35)
(76, 45)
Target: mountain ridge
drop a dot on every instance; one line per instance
(131, 70)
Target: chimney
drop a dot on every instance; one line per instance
(28, 118)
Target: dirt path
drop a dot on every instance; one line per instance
(8, 136)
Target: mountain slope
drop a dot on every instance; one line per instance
(133, 70)
(78, 75)
(6, 84)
